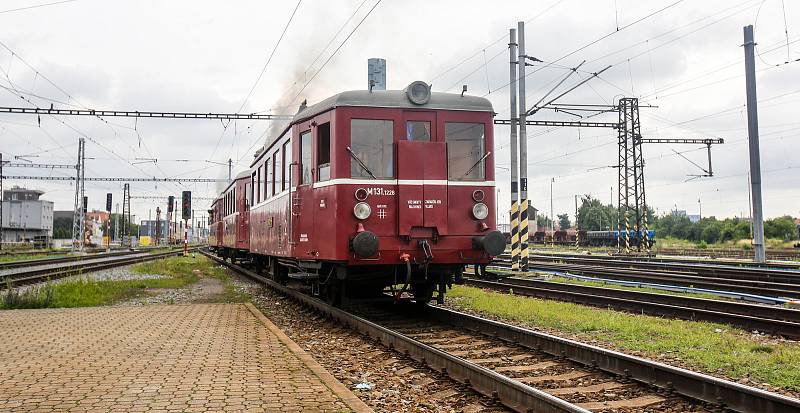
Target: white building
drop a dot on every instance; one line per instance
(26, 217)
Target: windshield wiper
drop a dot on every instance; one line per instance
(476, 163)
(352, 155)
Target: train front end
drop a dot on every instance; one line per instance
(418, 203)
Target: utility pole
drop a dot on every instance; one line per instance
(230, 169)
(552, 221)
(116, 221)
(512, 50)
(1, 201)
(700, 204)
(755, 156)
(78, 216)
(523, 149)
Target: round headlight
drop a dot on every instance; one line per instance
(480, 210)
(478, 195)
(362, 210)
(361, 194)
(419, 93)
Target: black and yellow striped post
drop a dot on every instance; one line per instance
(523, 235)
(514, 235)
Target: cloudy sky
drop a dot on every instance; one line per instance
(683, 57)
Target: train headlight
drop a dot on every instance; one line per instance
(362, 210)
(419, 93)
(480, 211)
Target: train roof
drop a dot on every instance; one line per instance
(395, 99)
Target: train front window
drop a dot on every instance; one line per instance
(371, 148)
(466, 147)
(417, 130)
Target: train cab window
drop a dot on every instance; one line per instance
(417, 130)
(268, 178)
(277, 160)
(305, 158)
(371, 143)
(466, 147)
(287, 163)
(324, 152)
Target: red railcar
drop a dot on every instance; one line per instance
(369, 189)
(215, 226)
(232, 222)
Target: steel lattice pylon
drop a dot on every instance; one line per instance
(632, 220)
(79, 214)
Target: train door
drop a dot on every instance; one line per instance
(303, 196)
(422, 177)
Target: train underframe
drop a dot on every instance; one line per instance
(338, 283)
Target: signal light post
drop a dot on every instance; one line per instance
(108, 222)
(186, 214)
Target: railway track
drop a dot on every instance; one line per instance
(783, 265)
(775, 320)
(51, 270)
(60, 260)
(530, 371)
(783, 284)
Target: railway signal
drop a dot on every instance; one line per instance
(108, 221)
(186, 214)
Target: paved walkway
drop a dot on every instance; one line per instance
(200, 357)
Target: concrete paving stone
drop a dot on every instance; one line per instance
(199, 357)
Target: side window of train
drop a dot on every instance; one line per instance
(372, 143)
(287, 163)
(324, 152)
(466, 147)
(305, 158)
(248, 194)
(253, 188)
(277, 160)
(268, 178)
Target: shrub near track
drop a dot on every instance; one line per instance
(709, 347)
(87, 292)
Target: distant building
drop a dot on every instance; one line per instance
(147, 228)
(26, 218)
(693, 218)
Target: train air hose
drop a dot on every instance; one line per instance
(406, 258)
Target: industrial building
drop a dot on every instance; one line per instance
(26, 218)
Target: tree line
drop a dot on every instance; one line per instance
(593, 215)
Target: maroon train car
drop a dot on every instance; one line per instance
(215, 226)
(232, 222)
(373, 189)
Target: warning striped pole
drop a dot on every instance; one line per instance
(523, 235)
(514, 235)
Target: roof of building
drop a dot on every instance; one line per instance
(395, 99)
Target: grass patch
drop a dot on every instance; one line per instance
(708, 346)
(27, 257)
(86, 292)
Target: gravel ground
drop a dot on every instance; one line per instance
(394, 382)
(663, 357)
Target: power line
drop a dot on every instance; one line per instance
(269, 59)
(336, 50)
(36, 6)
(114, 179)
(137, 114)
